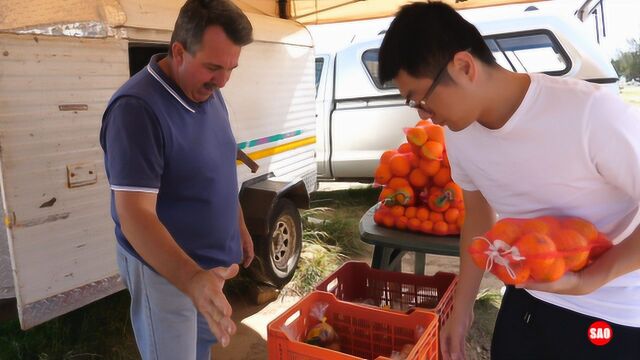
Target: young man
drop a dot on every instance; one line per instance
(526, 145)
(170, 158)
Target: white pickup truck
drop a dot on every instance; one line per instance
(359, 118)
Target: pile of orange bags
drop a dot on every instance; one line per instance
(418, 193)
(540, 249)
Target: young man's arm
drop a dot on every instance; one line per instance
(147, 235)
(479, 219)
(245, 240)
(613, 143)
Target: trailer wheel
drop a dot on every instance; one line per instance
(278, 253)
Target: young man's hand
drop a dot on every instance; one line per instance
(454, 333)
(205, 290)
(572, 283)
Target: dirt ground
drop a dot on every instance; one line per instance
(249, 343)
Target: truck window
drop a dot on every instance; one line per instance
(533, 51)
(319, 66)
(525, 52)
(370, 60)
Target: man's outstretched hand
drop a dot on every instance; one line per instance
(205, 290)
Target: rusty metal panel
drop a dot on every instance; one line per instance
(53, 91)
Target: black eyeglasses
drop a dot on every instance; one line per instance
(422, 103)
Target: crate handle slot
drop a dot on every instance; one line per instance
(332, 285)
(292, 318)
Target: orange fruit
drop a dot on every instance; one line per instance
(402, 222)
(429, 167)
(432, 150)
(385, 194)
(599, 246)
(417, 178)
(451, 215)
(405, 196)
(553, 272)
(386, 156)
(573, 247)
(454, 191)
(442, 177)
(422, 214)
(414, 160)
(414, 224)
(378, 216)
(426, 226)
(436, 216)
(405, 148)
(388, 221)
(584, 227)
(552, 222)
(438, 202)
(520, 269)
(410, 212)
(454, 229)
(539, 252)
(477, 251)
(398, 182)
(435, 133)
(423, 122)
(397, 210)
(382, 174)
(440, 228)
(507, 230)
(417, 135)
(400, 165)
(536, 225)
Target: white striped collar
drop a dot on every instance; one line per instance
(169, 89)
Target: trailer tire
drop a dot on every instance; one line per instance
(278, 253)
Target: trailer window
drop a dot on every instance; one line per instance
(370, 60)
(532, 52)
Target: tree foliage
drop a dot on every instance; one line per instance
(628, 62)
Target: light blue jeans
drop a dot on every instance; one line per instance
(166, 324)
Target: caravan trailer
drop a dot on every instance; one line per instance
(61, 62)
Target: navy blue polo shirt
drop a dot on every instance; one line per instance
(155, 139)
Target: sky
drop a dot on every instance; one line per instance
(622, 22)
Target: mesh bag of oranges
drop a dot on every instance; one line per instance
(417, 191)
(540, 249)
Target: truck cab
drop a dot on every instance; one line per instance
(359, 118)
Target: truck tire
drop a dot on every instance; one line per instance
(278, 253)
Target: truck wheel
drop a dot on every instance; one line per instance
(278, 253)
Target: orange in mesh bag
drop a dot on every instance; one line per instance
(540, 249)
(416, 177)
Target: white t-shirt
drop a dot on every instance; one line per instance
(571, 148)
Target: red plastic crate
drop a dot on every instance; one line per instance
(356, 282)
(364, 332)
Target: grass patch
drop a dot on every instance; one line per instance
(337, 214)
(331, 235)
(631, 94)
(101, 330)
(317, 261)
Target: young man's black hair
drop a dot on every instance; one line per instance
(424, 37)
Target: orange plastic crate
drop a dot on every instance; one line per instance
(356, 281)
(364, 332)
